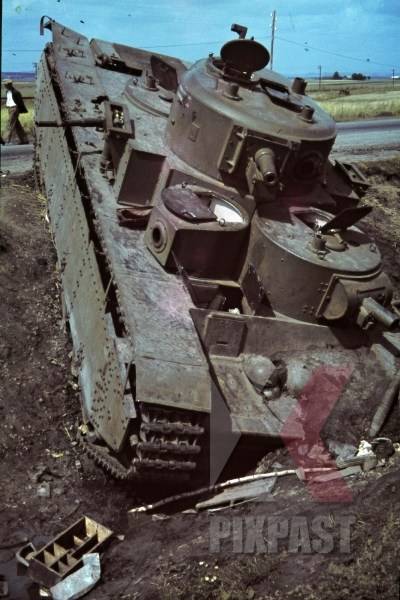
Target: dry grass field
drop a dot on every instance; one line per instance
(363, 106)
(365, 99)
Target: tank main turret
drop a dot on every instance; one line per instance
(236, 121)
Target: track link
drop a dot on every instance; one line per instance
(104, 459)
(163, 435)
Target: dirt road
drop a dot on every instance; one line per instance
(367, 139)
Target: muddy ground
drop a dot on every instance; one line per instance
(167, 558)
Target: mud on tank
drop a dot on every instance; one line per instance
(211, 260)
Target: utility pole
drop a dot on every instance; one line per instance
(320, 76)
(393, 77)
(273, 15)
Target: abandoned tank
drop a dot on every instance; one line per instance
(212, 263)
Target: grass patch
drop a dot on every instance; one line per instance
(365, 100)
(333, 88)
(26, 120)
(363, 106)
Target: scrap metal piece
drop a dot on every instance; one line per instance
(3, 587)
(44, 490)
(24, 555)
(64, 554)
(385, 406)
(258, 490)
(80, 582)
(383, 447)
(345, 472)
(366, 461)
(392, 340)
(353, 175)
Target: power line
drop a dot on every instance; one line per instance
(306, 46)
(303, 45)
(146, 47)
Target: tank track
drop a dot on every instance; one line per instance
(166, 448)
(101, 456)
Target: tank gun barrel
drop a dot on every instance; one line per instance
(265, 161)
(371, 311)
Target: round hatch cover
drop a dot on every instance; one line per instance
(245, 55)
(186, 204)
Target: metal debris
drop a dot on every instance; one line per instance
(255, 486)
(40, 473)
(245, 492)
(80, 582)
(383, 447)
(346, 472)
(364, 457)
(341, 450)
(221, 486)
(3, 587)
(64, 554)
(43, 490)
(24, 555)
(385, 406)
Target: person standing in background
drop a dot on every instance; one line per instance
(15, 106)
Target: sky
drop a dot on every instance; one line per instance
(344, 35)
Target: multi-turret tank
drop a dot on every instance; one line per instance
(211, 259)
